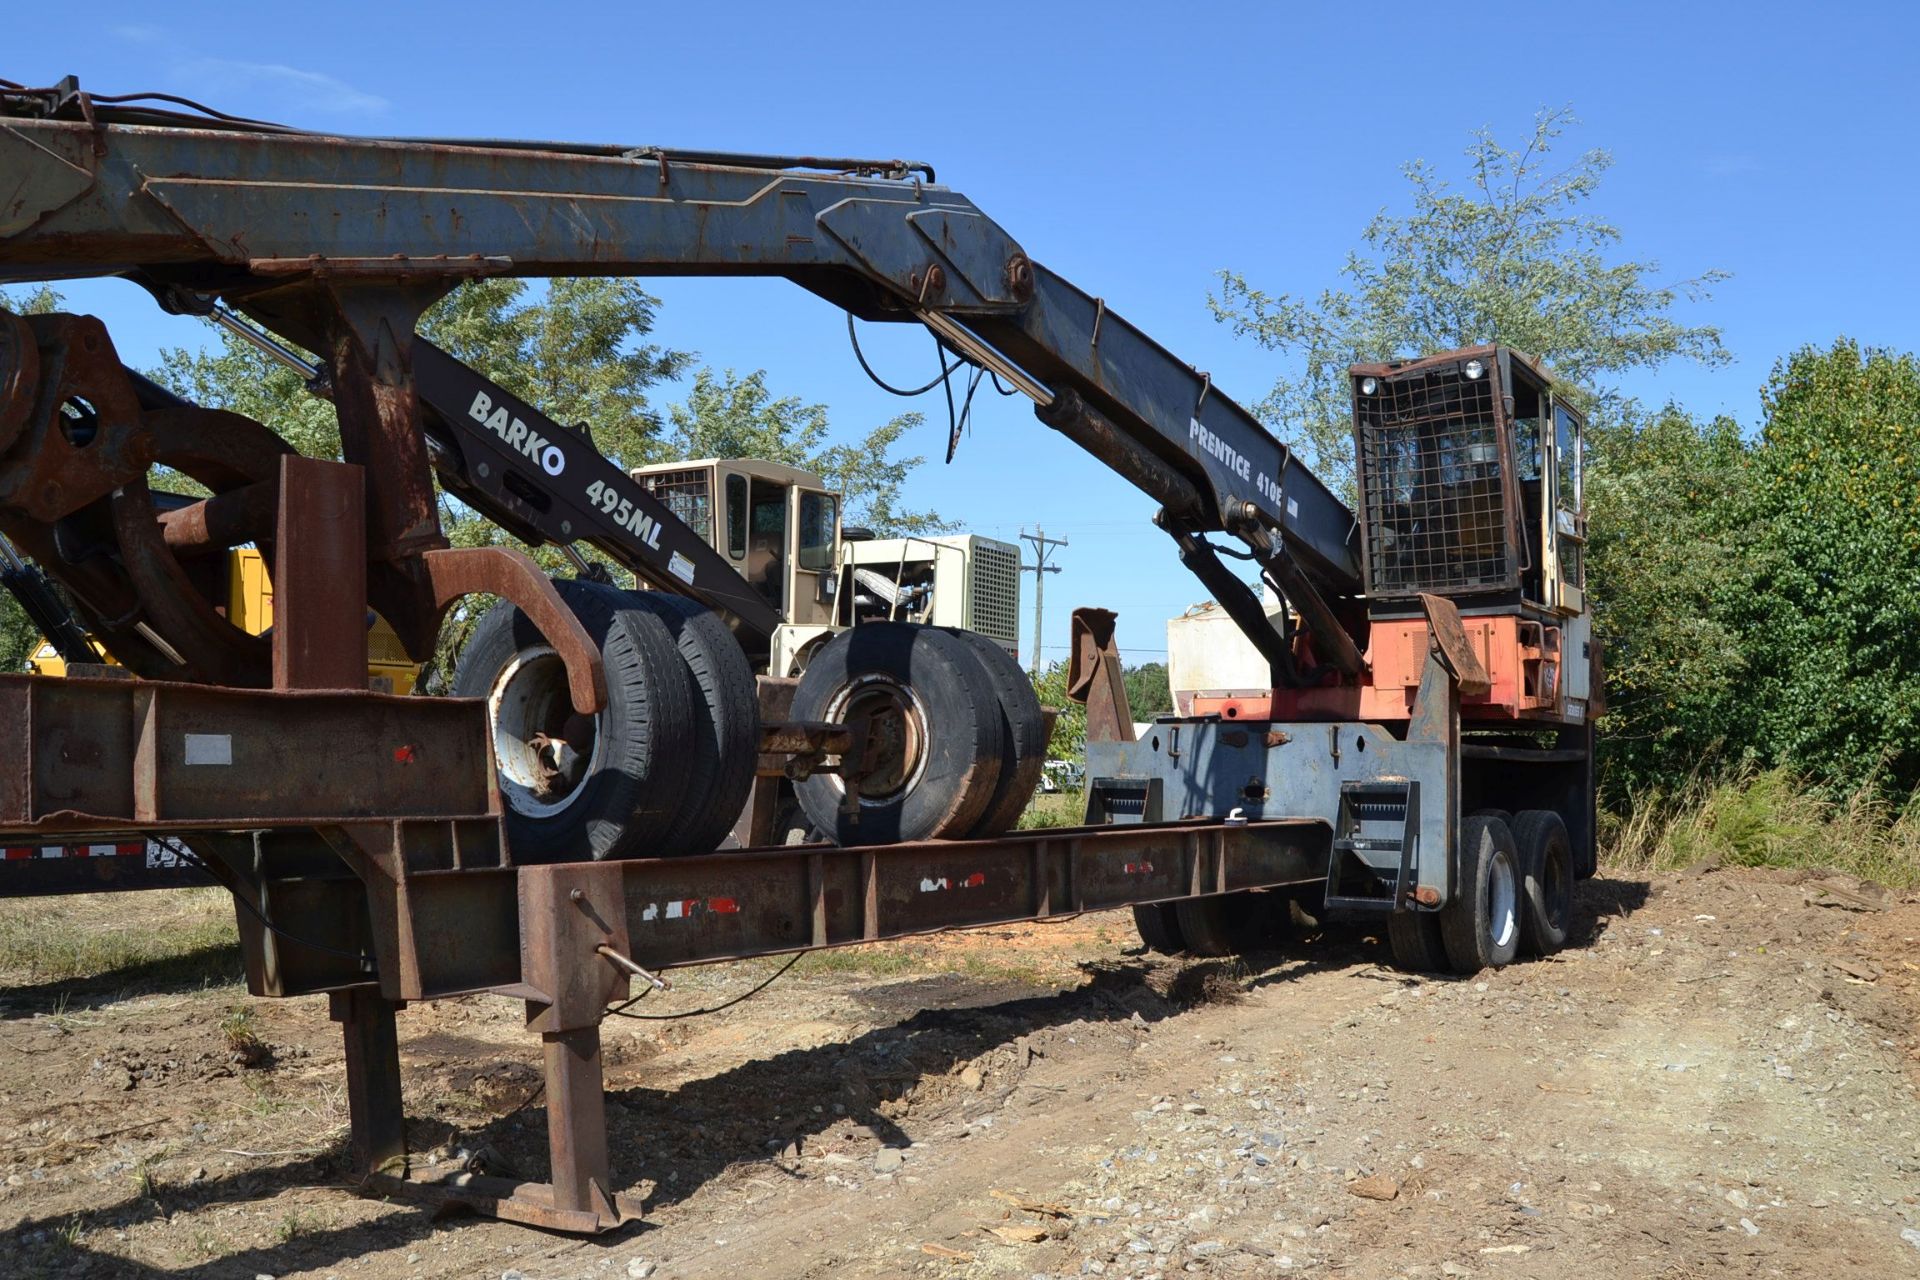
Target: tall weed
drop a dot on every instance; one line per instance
(1768, 818)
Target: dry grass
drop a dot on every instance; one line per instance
(1054, 809)
(82, 936)
(1766, 819)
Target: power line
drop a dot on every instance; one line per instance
(1042, 547)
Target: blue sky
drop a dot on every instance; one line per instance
(1136, 149)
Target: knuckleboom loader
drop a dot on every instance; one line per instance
(1412, 718)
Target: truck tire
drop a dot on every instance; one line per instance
(1227, 924)
(725, 744)
(1481, 926)
(1158, 928)
(574, 787)
(1023, 735)
(1546, 884)
(1414, 937)
(933, 734)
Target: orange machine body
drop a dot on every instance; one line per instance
(1521, 655)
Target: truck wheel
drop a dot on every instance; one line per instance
(1225, 925)
(1414, 937)
(1546, 885)
(604, 786)
(1023, 735)
(1481, 926)
(932, 722)
(725, 743)
(1159, 928)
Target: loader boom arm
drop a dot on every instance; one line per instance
(339, 243)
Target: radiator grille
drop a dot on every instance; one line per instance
(1433, 488)
(688, 494)
(996, 593)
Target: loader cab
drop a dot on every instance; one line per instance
(1470, 466)
(777, 525)
(1471, 482)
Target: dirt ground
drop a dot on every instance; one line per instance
(1719, 1080)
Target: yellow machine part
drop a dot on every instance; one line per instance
(250, 607)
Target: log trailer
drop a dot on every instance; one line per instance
(1414, 741)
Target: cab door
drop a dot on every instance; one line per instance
(1563, 512)
(760, 529)
(813, 556)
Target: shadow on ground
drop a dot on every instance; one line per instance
(211, 966)
(684, 1137)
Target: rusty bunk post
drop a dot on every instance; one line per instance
(320, 596)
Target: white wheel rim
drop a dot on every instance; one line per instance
(1503, 899)
(529, 694)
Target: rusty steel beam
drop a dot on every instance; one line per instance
(120, 755)
(224, 520)
(1096, 679)
(805, 737)
(755, 902)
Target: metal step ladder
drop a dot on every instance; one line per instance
(1370, 867)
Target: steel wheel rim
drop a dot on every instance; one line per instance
(530, 697)
(896, 748)
(1503, 901)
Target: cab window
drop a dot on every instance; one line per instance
(816, 531)
(1566, 448)
(737, 516)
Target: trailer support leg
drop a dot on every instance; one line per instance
(577, 1123)
(374, 1109)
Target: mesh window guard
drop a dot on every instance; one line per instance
(1434, 493)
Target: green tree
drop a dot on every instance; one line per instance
(18, 635)
(1827, 609)
(1516, 257)
(1667, 530)
(726, 415)
(1069, 741)
(1148, 693)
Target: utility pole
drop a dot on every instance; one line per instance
(1042, 545)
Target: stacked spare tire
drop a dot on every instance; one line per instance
(954, 737)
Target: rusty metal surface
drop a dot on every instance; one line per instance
(751, 902)
(1095, 677)
(1456, 651)
(531, 1203)
(106, 754)
(577, 1123)
(19, 376)
(565, 916)
(755, 825)
(81, 437)
(224, 520)
(379, 1134)
(320, 577)
(514, 577)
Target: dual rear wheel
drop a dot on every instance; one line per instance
(1514, 897)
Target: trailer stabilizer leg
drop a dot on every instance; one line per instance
(374, 1111)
